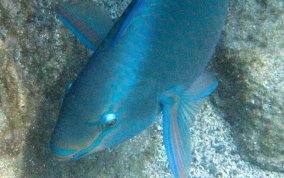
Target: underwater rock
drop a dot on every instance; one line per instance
(250, 68)
(39, 57)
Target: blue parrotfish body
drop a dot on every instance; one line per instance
(152, 59)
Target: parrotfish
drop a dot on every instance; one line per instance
(152, 59)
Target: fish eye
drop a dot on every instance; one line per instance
(109, 118)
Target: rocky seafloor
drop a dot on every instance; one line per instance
(238, 133)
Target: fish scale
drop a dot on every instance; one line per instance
(154, 55)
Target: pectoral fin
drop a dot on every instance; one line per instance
(179, 110)
(86, 20)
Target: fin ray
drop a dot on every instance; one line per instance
(179, 110)
(86, 21)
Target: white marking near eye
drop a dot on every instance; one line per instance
(109, 117)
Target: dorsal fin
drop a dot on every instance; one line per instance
(86, 20)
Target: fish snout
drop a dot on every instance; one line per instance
(62, 154)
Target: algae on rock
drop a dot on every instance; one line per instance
(250, 67)
(34, 55)
(39, 57)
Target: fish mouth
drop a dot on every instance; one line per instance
(93, 146)
(62, 154)
(70, 155)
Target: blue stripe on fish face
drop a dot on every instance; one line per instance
(66, 154)
(120, 122)
(94, 145)
(61, 154)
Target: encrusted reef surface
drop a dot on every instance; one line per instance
(39, 57)
(250, 67)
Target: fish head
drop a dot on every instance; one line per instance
(94, 124)
(72, 140)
